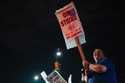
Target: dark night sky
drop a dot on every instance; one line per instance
(30, 35)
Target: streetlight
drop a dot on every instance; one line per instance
(58, 53)
(42, 77)
(36, 77)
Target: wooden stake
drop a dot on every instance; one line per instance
(82, 55)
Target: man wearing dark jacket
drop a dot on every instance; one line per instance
(103, 70)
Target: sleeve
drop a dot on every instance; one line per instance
(107, 63)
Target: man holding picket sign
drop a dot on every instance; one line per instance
(74, 36)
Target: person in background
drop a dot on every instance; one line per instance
(57, 65)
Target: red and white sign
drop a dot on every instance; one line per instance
(70, 23)
(55, 77)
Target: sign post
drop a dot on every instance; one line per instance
(82, 56)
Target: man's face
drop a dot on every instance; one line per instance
(56, 65)
(97, 55)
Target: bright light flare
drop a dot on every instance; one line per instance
(36, 77)
(58, 53)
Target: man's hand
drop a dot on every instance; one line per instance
(86, 64)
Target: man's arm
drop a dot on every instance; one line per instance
(98, 68)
